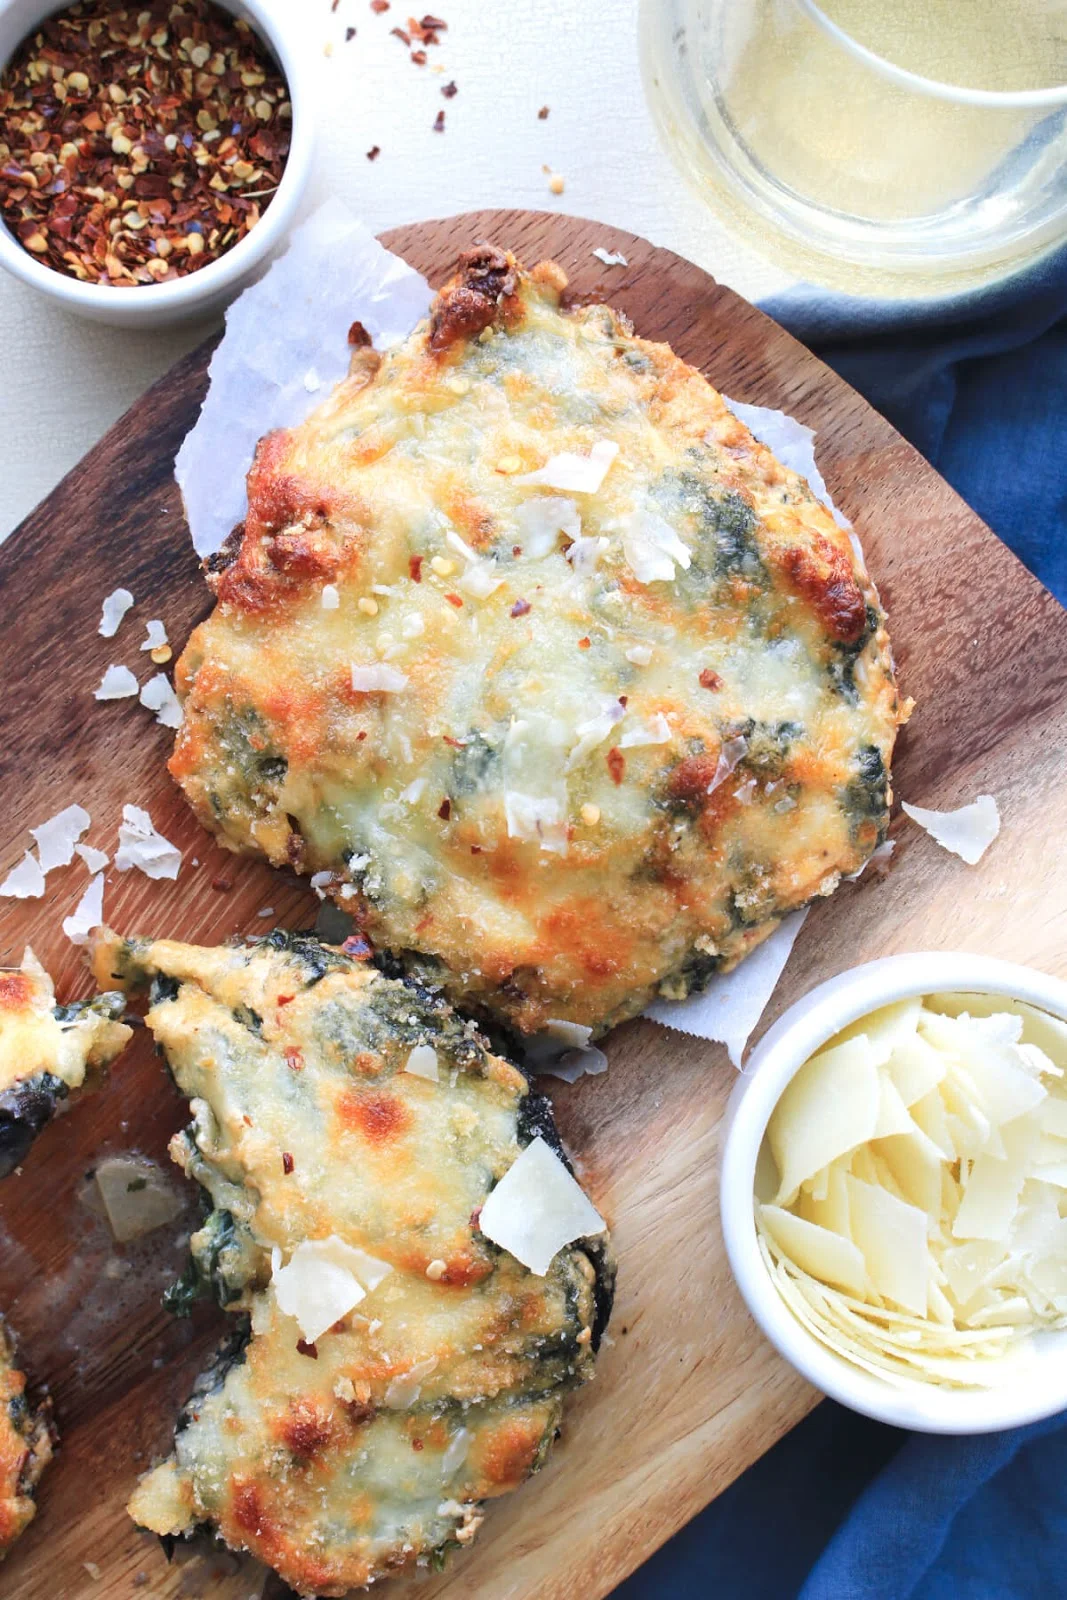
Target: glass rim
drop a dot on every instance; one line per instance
(995, 99)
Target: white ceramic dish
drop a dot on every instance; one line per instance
(1037, 1391)
(201, 293)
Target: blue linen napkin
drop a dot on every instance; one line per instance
(843, 1508)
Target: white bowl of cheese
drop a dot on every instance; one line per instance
(894, 1191)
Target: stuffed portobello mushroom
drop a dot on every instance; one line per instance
(392, 1367)
(550, 673)
(46, 1052)
(27, 1437)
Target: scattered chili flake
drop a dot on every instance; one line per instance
(358, 946)
(476, 849)
(334, 4)
(542, 115)
(415, 568)
(439, 122)
(516, 549)
(457, 744)
(306, 1349)
(294, 1058)
(287, 1162)
(361, 735)
(139, 143)
(583, 644)
(223, 885)
(378, 6)
(398, 33)
(710, 680)
(416, 1444)
(285, 999)
(374, 152)
(427, 30)
(444, 810)
(358, 337)
(454, 600)
(350, 34)
(450, 91)
(419, 57)
(624, 700)
(616, 763)
(520, 608)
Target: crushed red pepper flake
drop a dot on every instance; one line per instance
(450, 90)
(139, 143)
(304, 1348)
(444, 810)
(398, 33)
(415, 568)
(350, 34)
(710, 680)
(520, 608)
(419, 57)
(542, 115)
(454, 600)
(428, 29)
(287, 1162)
(378, 6)
(374, 152)
(358, 337)
(583, 644)
(439, 122)
(358, 946)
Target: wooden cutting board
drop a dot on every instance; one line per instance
(688, 1394)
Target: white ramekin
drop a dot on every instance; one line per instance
(1040, 1389)
(201, 293)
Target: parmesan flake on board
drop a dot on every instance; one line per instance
(118, 683)
(25, 881)
(114, 608)
(158, 695)
(140, 845)
(155, 635)
(967, 832)
(58, 837)
(87, 914)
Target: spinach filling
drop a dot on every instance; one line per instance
(841, 667)
(866, 796)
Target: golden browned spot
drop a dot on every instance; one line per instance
(380, 1118)
(824, 576)
(508, 1454)
(305, 1430)
(16, 991)
(249, 1512)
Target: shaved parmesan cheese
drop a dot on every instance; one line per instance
(953, 1201)
(94, 859)
(115, 607)
(456, 1454)
(829, 1108)
(480, 580)
(87, 914)
(330, 597)
(588, 1061)
(732, 751)
(156, 635)
(323, 1281)
(967, 832)
(595, 730)
(541, 521)
(655, 732)
(639, 654)
(57, 838)
(574, 474)
(892, 1237)
(414, 792)
(652, 548)
(537, 819)
(422, 1062)
(158, 695)
(584, 554)
(118, 683)
(403, 1391)
(24, 882)
(141, 846)
(610, 258)
(537, 1208)
(378, 678)
(136, 1196)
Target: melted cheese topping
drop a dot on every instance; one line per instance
(39, 1037)
(25, 1449)
(371, 1449)
(503, 733)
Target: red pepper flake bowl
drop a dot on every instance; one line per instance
(204, 285)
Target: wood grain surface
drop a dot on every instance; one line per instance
(688, 1393)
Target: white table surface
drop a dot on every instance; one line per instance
(65, 381)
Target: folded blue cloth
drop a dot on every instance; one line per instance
(843, 1508)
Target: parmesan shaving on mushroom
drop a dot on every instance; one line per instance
(422, 1062)
(114, 608)
(141, 846)
(118, 683)
(967, 832)
(542, 519)
(652, 548)
(323, 1280)
(574, 474)
(920, 1222)
(378, 678)
(657, 731)
(537, 1208)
